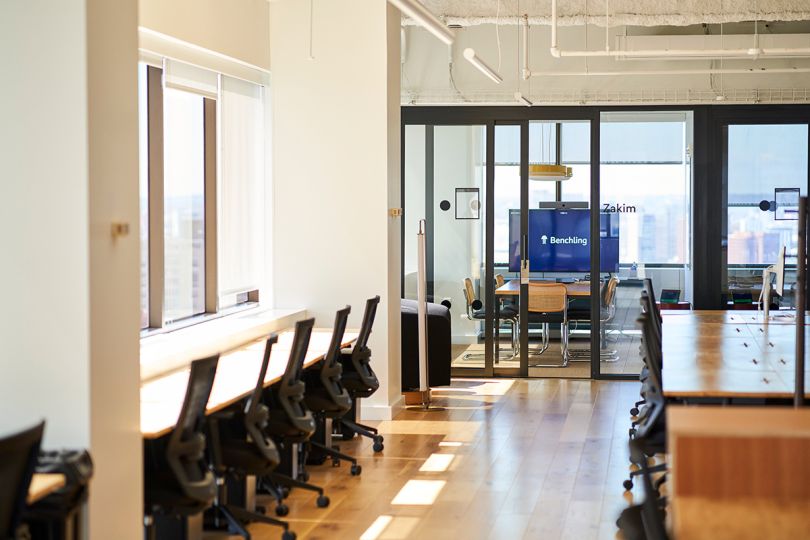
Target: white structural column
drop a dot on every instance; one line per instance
(69, 325)
(336, 170)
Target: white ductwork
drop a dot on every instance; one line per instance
(753, 52)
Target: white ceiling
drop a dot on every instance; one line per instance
(622, 12)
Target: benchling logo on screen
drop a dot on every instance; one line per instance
(559, 241)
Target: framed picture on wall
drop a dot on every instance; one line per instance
(468, 203)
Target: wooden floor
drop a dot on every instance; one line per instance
(531, 458)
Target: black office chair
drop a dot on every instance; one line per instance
(651, 431)
(289, 422)
(18, 458)
(359, 379)
(239, 447)
(178, 481)
(646, 520)
(326, 396)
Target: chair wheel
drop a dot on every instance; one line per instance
(347, 434)
(378, 443)
(282, 510)
(288, 535)
(628, 485)
(356, 469)
(634, 411)
(335, 462)
(305, 476)
(285, 492)
(323, 501)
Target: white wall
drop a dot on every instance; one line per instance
(336, 125)
(426, 71)
(69, 329)
(236, 28)
(44, 326)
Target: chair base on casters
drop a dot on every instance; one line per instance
(322, 501)
(236, 519)
(365, 431)
(337, 456)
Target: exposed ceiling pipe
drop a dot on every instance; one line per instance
(525, 71)
(471, 57)
(422, 15)
(706, 71)
(752, 52)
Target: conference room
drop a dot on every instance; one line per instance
(391, 269)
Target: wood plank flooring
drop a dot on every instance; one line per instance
(531, 458)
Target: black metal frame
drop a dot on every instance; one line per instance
(708, 202)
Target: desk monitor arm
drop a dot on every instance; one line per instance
(765, 293)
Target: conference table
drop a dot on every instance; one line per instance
(729, 354)
(512, 288)
(237, 371)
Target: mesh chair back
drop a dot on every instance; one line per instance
(185, 451)
(18, 457)
(291, 389)
(368, 322)
(257, 414)
(547, 297)
(332, 370)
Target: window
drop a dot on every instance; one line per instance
(647, 185)
(183, 204)
(201, 193)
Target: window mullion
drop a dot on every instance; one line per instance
(156, 217)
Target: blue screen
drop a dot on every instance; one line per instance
(559, 241)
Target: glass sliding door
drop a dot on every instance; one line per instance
(765, 170)
(645, 225)
(444, 184)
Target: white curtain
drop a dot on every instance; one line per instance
(241, 176)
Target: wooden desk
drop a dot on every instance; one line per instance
(162, 398)
(739, 472)
(726, 354)
(43, 484)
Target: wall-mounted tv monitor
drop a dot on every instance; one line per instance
(559, 241)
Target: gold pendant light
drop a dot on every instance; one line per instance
(550, 173)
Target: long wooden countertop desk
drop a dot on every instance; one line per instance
(728, 354)
(162, 397)
(739, 472)
(43, 484)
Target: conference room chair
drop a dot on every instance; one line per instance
(579, 310)
(18, 459)
(178, 481)
(548, 304)
(326, 396)
(476, 312)
(359, 378)
(289, 422)
(239, 447)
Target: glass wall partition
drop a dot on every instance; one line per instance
(765, 171)
(645, 224)
(444, 184)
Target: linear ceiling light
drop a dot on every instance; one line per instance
(520, 98)
(469, 54)
(419, 13)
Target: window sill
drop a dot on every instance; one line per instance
(168, 351)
